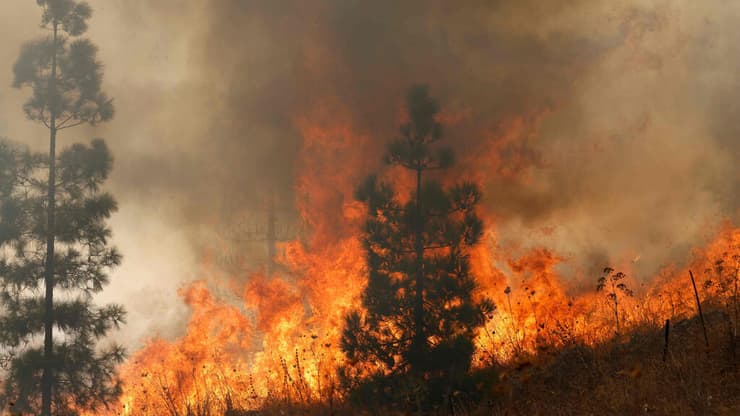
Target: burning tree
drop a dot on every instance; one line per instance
(420, 313)
(53, 230)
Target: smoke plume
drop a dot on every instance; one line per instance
(603, 130)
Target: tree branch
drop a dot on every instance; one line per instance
(60, 126)
(71, 125)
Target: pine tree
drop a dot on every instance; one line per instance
(420, 310)
(83, 375)
(65, 77)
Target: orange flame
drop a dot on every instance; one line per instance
(279, 340)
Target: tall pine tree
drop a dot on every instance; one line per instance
(65, 77)
(420, 310)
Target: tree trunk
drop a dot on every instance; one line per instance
(419, 337)
(271, 234)
(701, 314)
(46, 380)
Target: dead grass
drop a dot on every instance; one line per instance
(625, 376)
(628, 377)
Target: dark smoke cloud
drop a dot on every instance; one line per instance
(625, 155)
(268, 63)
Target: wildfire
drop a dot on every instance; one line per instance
(279, 340)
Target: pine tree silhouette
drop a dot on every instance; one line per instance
(419, 313)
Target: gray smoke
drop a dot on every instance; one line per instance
(608, 127)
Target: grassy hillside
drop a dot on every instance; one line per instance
(630, 375)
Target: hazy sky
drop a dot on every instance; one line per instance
(605, 130)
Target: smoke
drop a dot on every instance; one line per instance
(606, 126)
(638, 163)
(604, 130)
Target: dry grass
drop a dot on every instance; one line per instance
(628, 376)
(625, 376)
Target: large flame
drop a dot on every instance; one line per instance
(274, 339)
